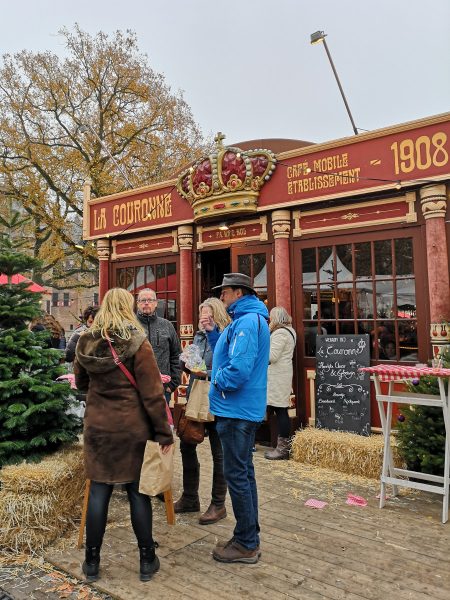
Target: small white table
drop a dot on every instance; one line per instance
(390, 474)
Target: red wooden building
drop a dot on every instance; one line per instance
(351, 236)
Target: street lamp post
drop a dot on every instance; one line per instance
(317, 37)
(85, 129)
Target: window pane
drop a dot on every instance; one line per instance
(406, 298)
(364, 299)
(344, 262)
(385, 299)
(363, 260)
(404, 257)
(326, 264)
(309, 265)
(345, 305)
(244, 264)
(150, 276)
(311, 330)
(160, 283)
(309, 304)
(346, 327)
(171, 269)
(407, 334)
(383, 258)
(259, 273)
(140, 278)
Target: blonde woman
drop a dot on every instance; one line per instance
(279, 377)
(189, 500)
(118, 421)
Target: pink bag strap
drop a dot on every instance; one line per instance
(121, 366)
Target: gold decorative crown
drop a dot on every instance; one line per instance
(227, 181)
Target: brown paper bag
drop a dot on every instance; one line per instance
(197, 408)
(156, 471)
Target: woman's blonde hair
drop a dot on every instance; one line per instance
(116, 315)
(279, 317)
(219, 313)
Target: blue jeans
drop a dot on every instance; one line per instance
(238, 437)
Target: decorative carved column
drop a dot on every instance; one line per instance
(281, 227)
(103, 253)
(434, 203)
(185, 240)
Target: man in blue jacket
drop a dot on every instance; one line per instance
(238, 401)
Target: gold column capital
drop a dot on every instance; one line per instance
(433, 199)
(185, 237)
(103, 249)
(281, 223)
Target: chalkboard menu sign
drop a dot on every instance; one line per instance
(342, 391)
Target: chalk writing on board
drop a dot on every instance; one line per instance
(342, 391)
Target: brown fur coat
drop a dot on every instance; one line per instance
(118, 420)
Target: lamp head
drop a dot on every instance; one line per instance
(223, 227)
(318, 36)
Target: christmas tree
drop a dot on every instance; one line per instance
(421, 431)
(33, 406)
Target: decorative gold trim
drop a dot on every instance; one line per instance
(377, 133)
(410, 217)
(103, 249)
(433, 199)
(139, 230)
(116, 243)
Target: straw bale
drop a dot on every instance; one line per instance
(39, 501)
(341, 451)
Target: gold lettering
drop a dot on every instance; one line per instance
(168, 205)
(116, 215)
(144, 207)
(99, 219)
(137, 211)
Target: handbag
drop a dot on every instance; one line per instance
(190, 432)
(197, 407)
(157, 470)
(132, 380)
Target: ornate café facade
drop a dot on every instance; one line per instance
(350, 236)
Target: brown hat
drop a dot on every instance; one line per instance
(236, 280)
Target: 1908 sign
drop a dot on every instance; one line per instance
(342, 391)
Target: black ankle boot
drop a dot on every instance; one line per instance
(91, 563)
(149, 563)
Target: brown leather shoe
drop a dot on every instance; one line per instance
(234, 553)
(183, 506)
(231, 540)
(213, 514)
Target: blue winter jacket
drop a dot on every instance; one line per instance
(240, 361)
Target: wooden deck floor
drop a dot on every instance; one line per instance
(340, 552)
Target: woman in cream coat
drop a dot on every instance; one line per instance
(279, 377)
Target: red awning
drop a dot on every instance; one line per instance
(33, 287)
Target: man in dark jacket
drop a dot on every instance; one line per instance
(163, 338)
(238, 397)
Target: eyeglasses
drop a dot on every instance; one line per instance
(147, 301)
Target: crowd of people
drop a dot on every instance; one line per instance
(247, 356)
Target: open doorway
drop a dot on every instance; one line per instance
(213, 264)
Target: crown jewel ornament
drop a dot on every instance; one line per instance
(228, 181)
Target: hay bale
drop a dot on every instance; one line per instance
(341, 451)
(39, 501)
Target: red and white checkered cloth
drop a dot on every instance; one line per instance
(394, 372)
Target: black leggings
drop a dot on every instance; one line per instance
(140, 510)
(283, 422)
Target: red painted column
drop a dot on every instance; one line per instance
(281, 227)
(103, 252)
(185, 240)
(434, 203)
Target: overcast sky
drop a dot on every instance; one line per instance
(247, 68)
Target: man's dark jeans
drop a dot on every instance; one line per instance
(238, 437)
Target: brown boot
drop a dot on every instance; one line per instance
(281, 452)
(213, 514)
(234, 552)
(230, 541)
(186, 506)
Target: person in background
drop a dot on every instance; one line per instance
(189, 501)
(162, 337)
(48, 323)
(279, 377)
(86, 321)
(118, 421)
(238, 397)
